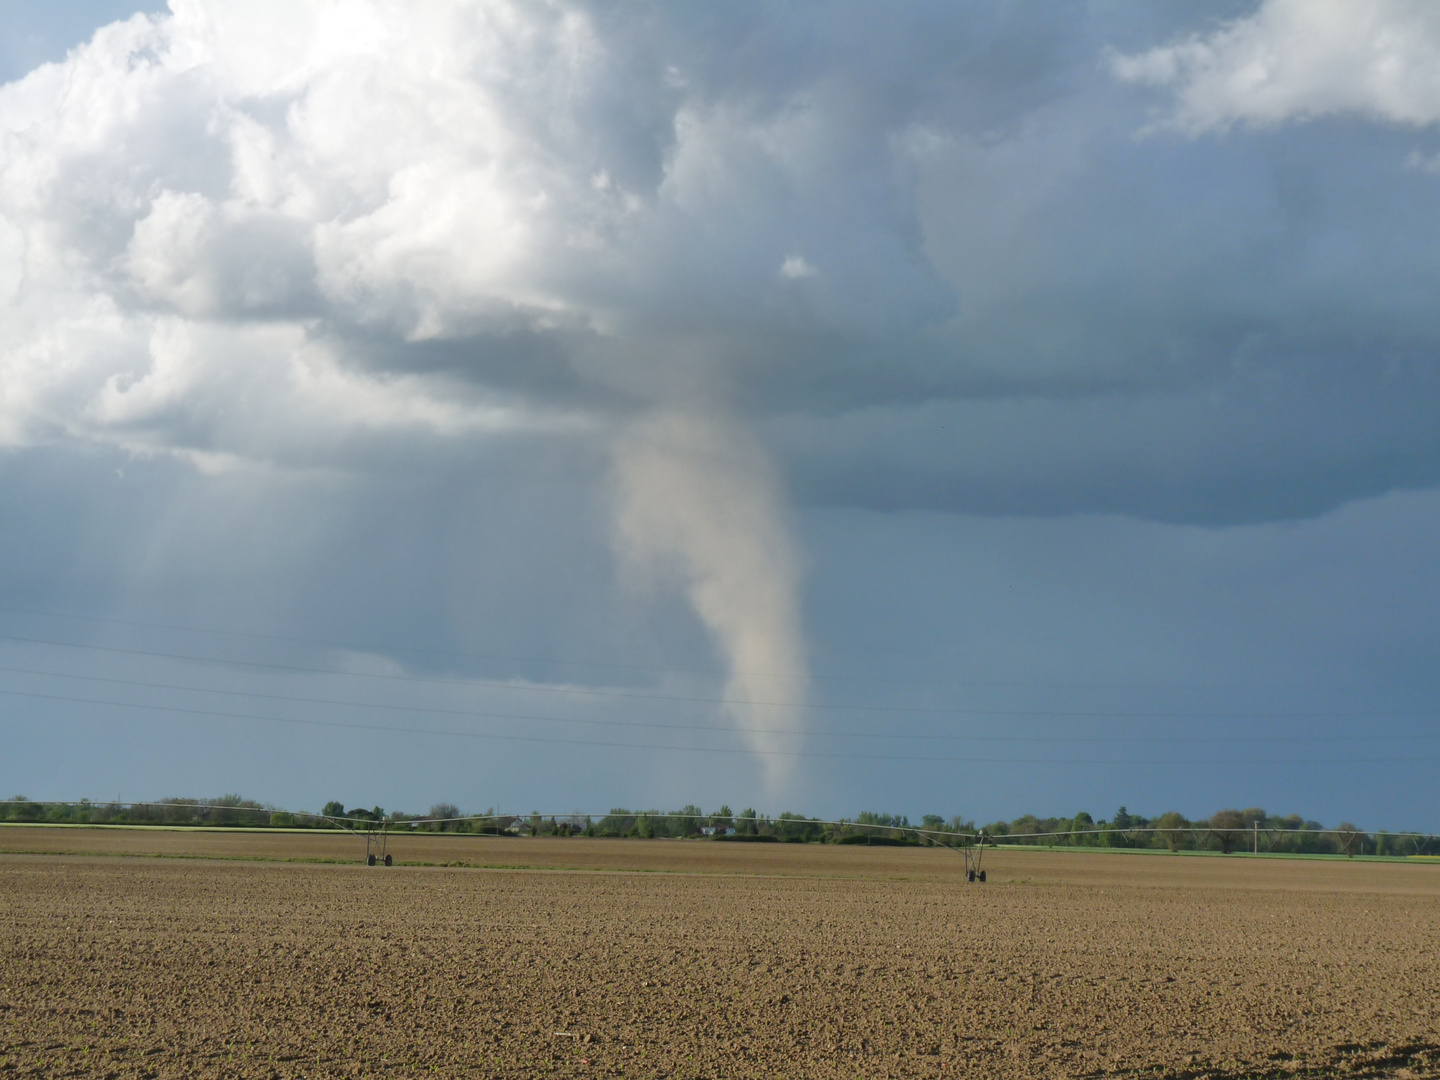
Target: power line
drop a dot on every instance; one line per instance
(343, 725)
(590, 692)
(374, 648)
(730, 728)
(610, 665)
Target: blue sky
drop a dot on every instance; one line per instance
(36, 34)
(981, 410)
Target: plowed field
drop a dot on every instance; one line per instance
(742, 960)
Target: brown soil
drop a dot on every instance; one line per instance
(753, 960)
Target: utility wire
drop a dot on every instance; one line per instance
(817, 732)
(586, 692)
(652, 669)
(467, 654)
(710, 673)
(208, 713)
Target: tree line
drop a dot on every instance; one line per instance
(1225, 831)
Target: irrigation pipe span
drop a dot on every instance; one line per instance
(937, 835)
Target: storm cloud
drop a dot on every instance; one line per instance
(986, 260)
(354, 312)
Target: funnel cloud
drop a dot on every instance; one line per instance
(699, 503)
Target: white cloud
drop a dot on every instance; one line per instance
(795, 266)
(1423, 162)
(264, 181)
(1302, 60)
(280, 232)
(532, 184)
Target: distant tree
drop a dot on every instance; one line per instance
(797, 827)
(1352, 839)
(1285, 833)
(333, 809)
(1122, 819)
(1228, 827)
(440, 812)
(1168, 822)
(1026, 825)
(687, 821)
(1255, 818)
(490, 823)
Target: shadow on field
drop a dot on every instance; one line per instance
(1353, 1061)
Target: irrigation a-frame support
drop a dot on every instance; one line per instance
(375, 838)
(974, 853)
(376, 834)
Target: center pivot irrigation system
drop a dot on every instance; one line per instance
(969, 845)
(376, 832)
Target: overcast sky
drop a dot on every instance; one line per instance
(954, 408)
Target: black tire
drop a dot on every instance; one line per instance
(982, 876)
(969, 875)
(389, 860)
(369, 860)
